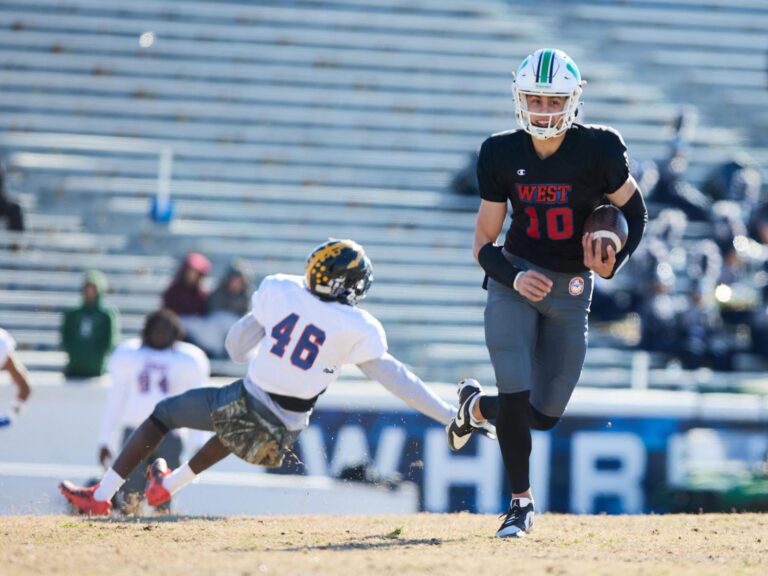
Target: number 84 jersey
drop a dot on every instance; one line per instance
(308, 340)
(552, 197)
(142, 376)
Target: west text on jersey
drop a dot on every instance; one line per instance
(543, 193)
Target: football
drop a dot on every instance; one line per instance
(607, 225)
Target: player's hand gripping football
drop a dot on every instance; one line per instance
(533, 285)
(593, 258)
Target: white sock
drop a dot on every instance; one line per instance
(108, 486)
(472, 420)
(523, 501)
(179, 478)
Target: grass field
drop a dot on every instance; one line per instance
(361, 546)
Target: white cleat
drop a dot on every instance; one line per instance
(461, 428)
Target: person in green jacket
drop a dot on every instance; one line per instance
(91, 331)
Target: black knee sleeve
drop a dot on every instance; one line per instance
(489, 407)
(540, 421)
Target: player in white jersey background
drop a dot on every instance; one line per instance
(10, 362)
(296, 338)
(144, 371)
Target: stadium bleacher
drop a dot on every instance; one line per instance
(291, 122)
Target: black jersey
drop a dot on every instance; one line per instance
(551, 198)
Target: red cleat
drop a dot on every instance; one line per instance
(82, 499)
(156, 493)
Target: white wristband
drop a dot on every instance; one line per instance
(16, 406)
(517, 277)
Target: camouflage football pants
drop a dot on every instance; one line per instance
(243, 425)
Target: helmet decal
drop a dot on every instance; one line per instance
(544, 67)
(339, 270)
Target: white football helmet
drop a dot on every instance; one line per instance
(547, 72)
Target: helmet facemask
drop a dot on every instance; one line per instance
(549, 73)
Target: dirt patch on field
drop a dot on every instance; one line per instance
(433, 544)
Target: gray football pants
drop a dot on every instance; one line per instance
(539, 346)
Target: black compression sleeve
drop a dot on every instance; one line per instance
(637, 217)
(496, 265)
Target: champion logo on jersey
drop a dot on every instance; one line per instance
(576, 286)
(329, 371)
(521, 171)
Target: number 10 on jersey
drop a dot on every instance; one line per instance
(558, 223)
(307, 347)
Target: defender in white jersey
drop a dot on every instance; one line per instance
(296, 338)
(10, 362)
(145, 371)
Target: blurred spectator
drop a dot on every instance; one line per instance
(671, 189)
(644, 262)
(758, 223)
(226, 304)
(704, 340)
(738, 180)
(727, 226)
(18, 373)
(705, 262)
(464, 182)
(663, 240)
(91, 331)
(646, 173)
(186, 295)
(233, 291)
(144, 372)
(742, 260)
(9, 209)
(759, 331)
(670, 226)
(659, 314)
(611, 302)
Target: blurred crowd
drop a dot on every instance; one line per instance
(699, 281)
(207, 317)
(90, 331)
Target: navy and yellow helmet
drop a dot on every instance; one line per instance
(339, 271)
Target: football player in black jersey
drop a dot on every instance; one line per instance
(554, 172)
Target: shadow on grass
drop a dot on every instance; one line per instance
(377, 542)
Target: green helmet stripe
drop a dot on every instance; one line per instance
(575, 71)
(545, 71)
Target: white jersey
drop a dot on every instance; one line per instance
(307, 340)
(142, 377)
(7, 346)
